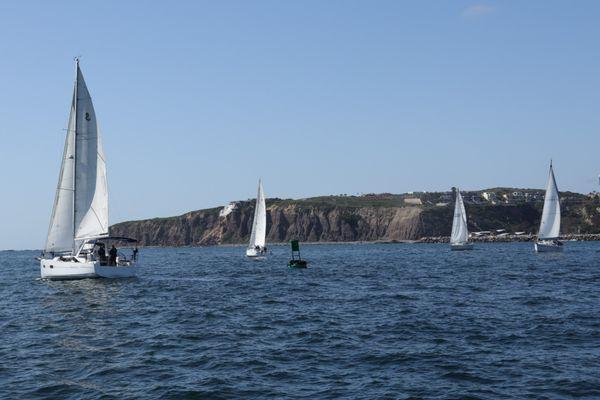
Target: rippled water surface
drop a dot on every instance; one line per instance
(363, 321)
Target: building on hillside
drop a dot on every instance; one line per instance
(472, 198)
(519, 197)
(534, 197)
(490, 197)
(228, 209)
(413, 201)
(482, 233)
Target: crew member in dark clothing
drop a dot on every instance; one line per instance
(113, 256)
(135, 253)
(102, 254)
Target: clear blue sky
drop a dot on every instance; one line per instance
(196, 100)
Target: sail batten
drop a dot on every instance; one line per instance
(460, 232)
(550, 223)
(259, 224)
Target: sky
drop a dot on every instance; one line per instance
(198, 99)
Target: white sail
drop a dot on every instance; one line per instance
(60, 233)
(81, 202)
(460, 232)
(259, 225)
(91, 189)
(550, 225)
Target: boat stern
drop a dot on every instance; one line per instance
(461, 247)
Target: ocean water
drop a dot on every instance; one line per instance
(393, 321)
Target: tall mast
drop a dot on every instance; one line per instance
(75, 151)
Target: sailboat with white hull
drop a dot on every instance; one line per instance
(256, 247)
(550, 225)
(459, 238)
(78, 239)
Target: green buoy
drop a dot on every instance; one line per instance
(296, 262)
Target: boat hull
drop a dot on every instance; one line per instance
(461, 247)
(56, 269)
(255, 254)
(548, 247)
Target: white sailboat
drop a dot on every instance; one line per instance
(256, 247)
(550, 225)
(77, 242)
(459, 238)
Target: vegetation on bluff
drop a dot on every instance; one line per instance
(372, 217)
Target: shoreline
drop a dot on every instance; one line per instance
(423, 240)
(578, 237)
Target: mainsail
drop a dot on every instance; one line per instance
(460, 233)
(81, 202)
(259, 226)
(550, 225)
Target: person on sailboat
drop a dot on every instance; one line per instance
(102, 253)
(135, 254)
(112, 261)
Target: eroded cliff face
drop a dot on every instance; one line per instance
(284, 222)
(383, 217)
(310, 222)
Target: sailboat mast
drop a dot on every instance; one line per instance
(75, 150)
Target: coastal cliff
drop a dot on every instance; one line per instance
(284, 222)
(346, 219)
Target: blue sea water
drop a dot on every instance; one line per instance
(369, 321)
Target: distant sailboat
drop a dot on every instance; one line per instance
(77, 242)
(550, 224)
(256, 247)
(459, 239)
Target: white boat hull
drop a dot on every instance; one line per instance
(56, 269)
(548, 247)
(464, 246)
(64, 270)
(253, 253)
